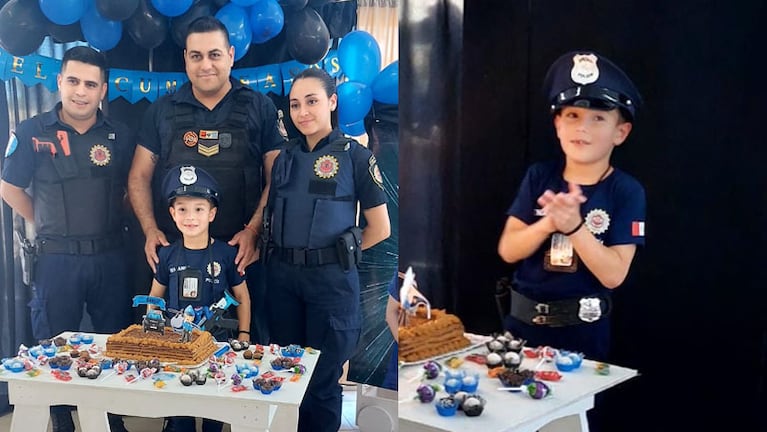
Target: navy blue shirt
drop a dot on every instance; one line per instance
(225, 275)
(263, 124)
(21, 159)
(614, 213)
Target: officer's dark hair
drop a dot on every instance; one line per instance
(328, 83)
(207, 24)
(87, 55)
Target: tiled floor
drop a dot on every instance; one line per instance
(137, 424)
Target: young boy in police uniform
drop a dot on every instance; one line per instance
(574, 225)
(197, 270)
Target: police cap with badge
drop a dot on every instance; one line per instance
(589, 80)
(186, 180)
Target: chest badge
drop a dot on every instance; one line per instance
(215, 269)
(326, 166)
(100, 155)
(190, 139)
(597, 221)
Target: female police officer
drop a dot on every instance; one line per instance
(312, 280)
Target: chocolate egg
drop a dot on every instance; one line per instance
(186, 379)
(494, 360)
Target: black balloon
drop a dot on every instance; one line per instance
(293, 4)
(65, 34)
(147, 27)
(22, 27)
(180, 24)
(307, 36)
(116, 10)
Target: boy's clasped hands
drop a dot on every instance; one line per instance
(563, 209)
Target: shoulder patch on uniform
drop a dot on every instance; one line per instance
(375, 173)
(12, 144)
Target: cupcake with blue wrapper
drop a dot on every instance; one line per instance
(86, 338)
(50, 350)
(446, 406)
(292, 350)
(567, 361)
(470, 382)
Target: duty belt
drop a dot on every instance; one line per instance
(307, 257)
(78, 247)
(559, 313)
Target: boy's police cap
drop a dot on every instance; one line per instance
(589, 80)
(187, 180)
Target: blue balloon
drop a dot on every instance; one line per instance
(354, 129)
(100, 33)
(386, 84)
(172, 8)
(246, 3)
(266, 20)
(236, 21)
(63, 12)
(359, 56)
(354, 102)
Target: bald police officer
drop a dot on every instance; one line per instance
(574, 225)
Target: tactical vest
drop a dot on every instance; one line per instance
(209, 292)
(78, 192)
(314, 199)
(224, 151)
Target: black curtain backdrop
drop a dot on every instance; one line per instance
(690, 316)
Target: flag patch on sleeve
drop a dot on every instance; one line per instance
(637, 229)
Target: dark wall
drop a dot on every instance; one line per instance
(690, 317)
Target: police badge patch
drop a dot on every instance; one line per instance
(585, 70)
(597, 221)
(216, 269)
(12, 144)
(190, 139)
(188, 176)
(375, 172)
(326, 167)
(100, 155)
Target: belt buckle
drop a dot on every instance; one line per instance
(299, 256)
(541, 318)
(589, 309)
(86, 247)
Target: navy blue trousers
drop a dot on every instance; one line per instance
(317, 307)
(65, 283)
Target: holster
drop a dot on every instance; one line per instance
(349, 247)
(28, 258)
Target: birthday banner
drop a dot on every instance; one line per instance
(133, 85)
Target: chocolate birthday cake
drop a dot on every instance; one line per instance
(422, 337)
(133, 343)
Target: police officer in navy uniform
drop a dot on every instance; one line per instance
(312, 280)
(575, 223)
(197, 270)
(77, 162)
(216, 123)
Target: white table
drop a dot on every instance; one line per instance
(564, 410)
(246, 411)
